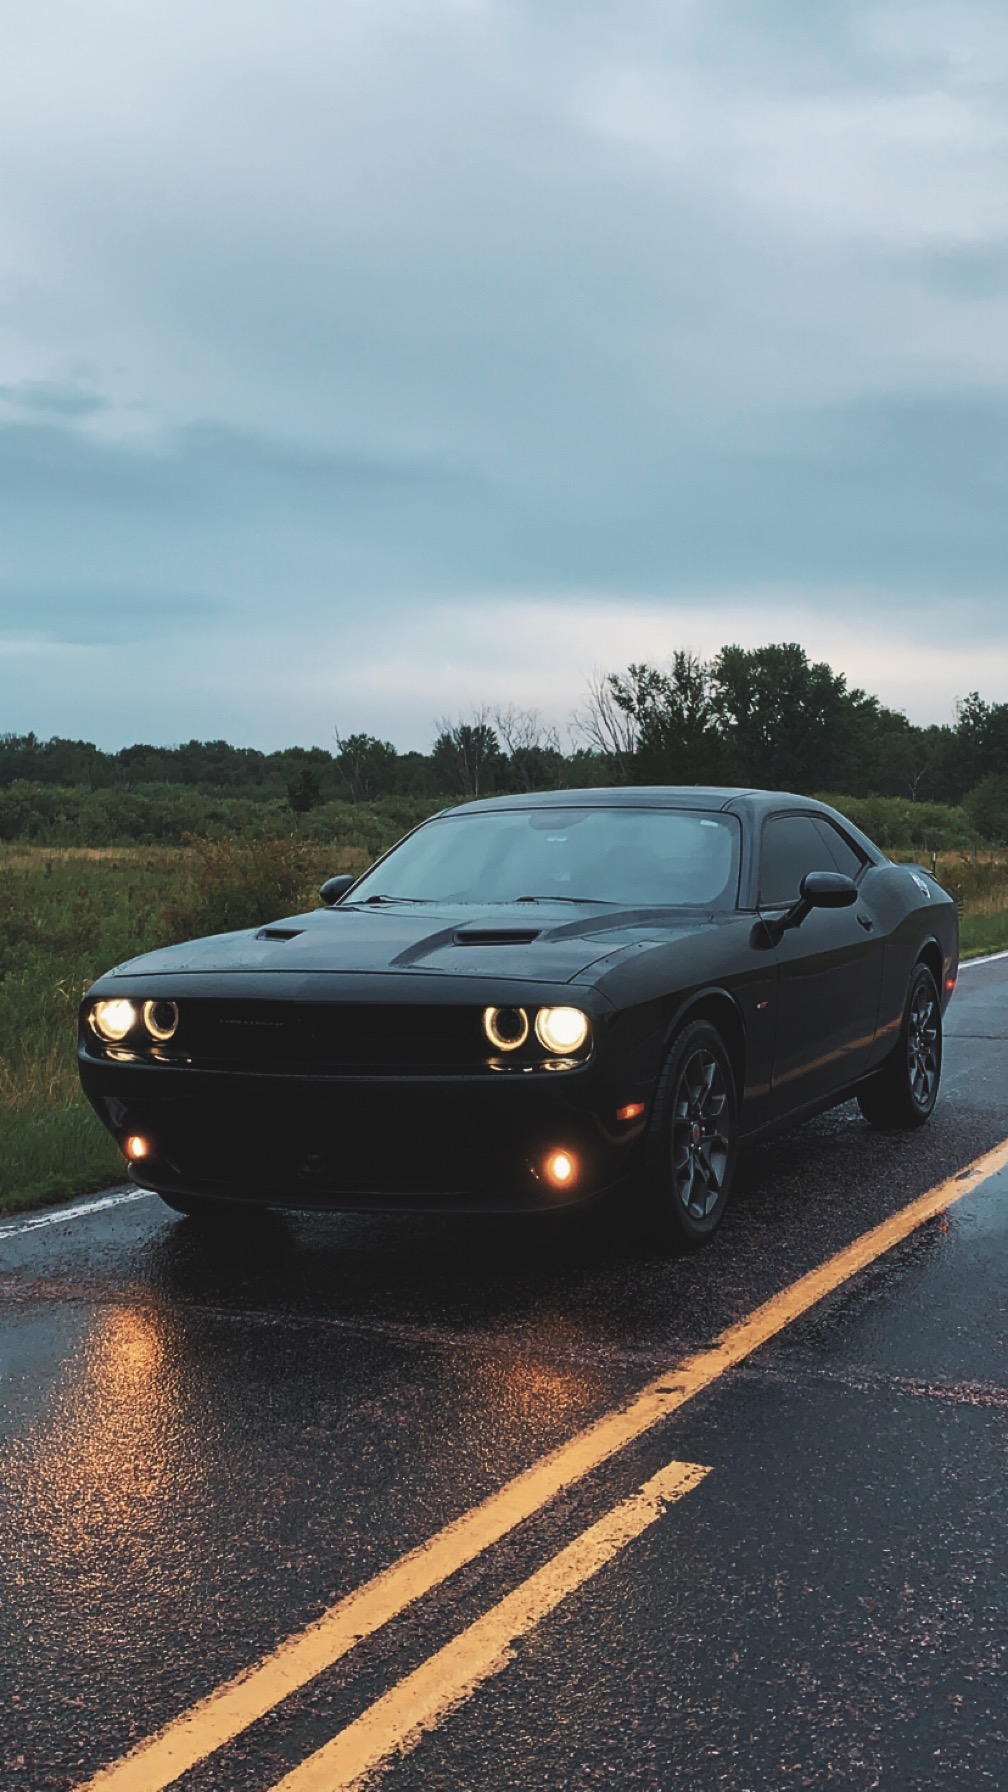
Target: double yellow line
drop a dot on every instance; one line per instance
(417, 1702)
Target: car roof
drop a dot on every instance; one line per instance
(752, 804)
(641, 796)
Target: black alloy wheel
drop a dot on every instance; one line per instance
(903, 1093)
(692, 1139)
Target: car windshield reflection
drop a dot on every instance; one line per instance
(626, 856)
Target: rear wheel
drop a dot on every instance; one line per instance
(904, 1091)
(692, 1141)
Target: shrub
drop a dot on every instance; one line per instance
(231, 884)
(987, 808)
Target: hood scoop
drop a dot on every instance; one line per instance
(279, 933)
(496, 936)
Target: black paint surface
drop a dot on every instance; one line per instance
(206, 1440)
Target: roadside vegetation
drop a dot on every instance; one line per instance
(66, 916)
(104, 855)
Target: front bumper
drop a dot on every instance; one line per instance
(434, 1144)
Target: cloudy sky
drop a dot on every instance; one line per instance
(360, 363)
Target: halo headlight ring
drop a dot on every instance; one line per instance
(112, 1020)
(161, 1019)
(506, 1028)
(562, 1031)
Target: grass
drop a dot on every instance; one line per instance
(69, 913)
(983, 933)
(979, 880)
(49, 1156)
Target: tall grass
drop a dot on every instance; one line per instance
(983, 933)
(65, 917)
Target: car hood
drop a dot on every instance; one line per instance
(547, 942)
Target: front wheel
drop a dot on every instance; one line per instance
(690, 1154)
(904, 1091)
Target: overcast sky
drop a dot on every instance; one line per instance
(361, 363)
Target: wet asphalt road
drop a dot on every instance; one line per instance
(206, 1440)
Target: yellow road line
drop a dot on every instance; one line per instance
(239, 1702)
(397, 1722)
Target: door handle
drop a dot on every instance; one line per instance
(866, 922)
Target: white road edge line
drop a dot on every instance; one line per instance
(966, 964)
(75, 1213)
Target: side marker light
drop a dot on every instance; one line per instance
(950, 983)
(632, 1111)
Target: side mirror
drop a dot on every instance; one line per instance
(827, 889)
(335, 888)
(818, 889)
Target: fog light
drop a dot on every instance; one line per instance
(560, 1169)
(135, 1148)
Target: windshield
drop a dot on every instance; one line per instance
(628, 856)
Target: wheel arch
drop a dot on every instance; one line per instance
(721, 1010)
(930, 954)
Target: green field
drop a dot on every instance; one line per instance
(68, 914)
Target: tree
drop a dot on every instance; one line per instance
(981, 742)
(678, 738)
(987, 807)
(467, 755)
(789, 723)
(532, 748)
(304, 792)
(606, 727)
(364, 764)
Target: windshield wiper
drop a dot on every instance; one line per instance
(593, 901)
(369, 899)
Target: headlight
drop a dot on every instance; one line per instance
(561, 1030)
(160, 1019)
(506, 1028)
(113, 1020)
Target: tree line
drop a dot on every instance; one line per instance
(767, 717)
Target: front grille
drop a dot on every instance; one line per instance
(344, 1037)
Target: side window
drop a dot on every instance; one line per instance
(848, 859)
(792, 845)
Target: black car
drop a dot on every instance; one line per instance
(532, 1000)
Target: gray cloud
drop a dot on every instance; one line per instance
(398, 311)
(87, 616)
(62, 399)
(909, 490)
(976, 271)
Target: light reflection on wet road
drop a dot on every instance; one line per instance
(207, 1441)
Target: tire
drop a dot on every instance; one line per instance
(903, 1093)
(692, 1141)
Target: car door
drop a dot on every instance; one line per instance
(829, 968)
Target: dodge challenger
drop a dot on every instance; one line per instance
(529, 1002)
